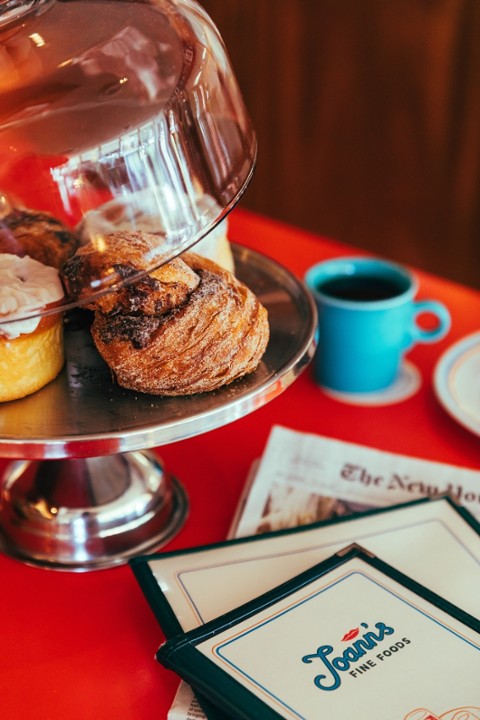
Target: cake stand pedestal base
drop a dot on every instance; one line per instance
(89, 513)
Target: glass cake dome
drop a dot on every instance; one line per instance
(123, 139)
(115, 115)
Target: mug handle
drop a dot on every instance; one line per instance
(432, 307)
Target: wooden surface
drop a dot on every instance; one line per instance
(368, 121)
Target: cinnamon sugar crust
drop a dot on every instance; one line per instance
(215, 334)
(117, 260)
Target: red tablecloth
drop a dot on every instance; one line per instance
(82, 646)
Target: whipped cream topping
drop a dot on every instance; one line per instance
(26, 286)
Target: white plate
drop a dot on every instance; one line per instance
(457, 381)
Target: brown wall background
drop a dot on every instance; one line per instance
(367, 114)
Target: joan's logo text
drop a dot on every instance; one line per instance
(335, 665)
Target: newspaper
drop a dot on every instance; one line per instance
(303, 478)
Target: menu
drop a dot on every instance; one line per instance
(349, 637)
(299, 479)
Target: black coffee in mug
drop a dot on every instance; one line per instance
(361, 288)
(367, 320)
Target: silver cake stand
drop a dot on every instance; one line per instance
(87, 493)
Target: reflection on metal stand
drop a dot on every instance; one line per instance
(80, 514)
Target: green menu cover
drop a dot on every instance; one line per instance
(186, 588)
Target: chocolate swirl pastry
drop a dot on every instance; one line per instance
(189, 327)
(121, 256)
(38, 235)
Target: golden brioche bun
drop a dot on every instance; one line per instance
(30, 361)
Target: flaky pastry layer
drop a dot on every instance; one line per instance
(216, 334)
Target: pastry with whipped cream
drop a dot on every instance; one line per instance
(31, 332)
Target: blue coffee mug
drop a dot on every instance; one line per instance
(367, 321)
